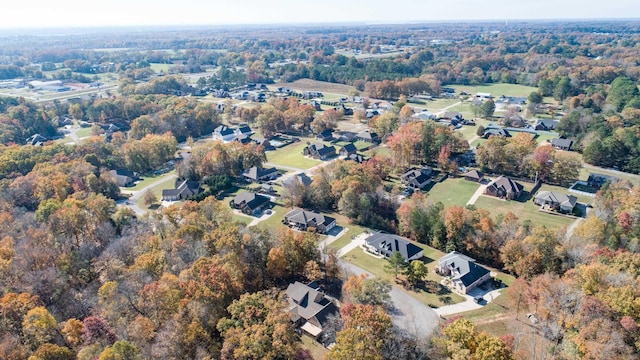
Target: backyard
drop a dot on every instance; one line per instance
(525, 210)
(453, 192)
(291, 155)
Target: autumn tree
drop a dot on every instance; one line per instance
(363, 335)
(416, 272)
(363, 290)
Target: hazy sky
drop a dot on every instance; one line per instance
(74, 13)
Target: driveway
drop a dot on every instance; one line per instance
(469, 304)
(355, 242)
(477, 194)
(408, 313)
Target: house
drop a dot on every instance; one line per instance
(250, 203)
(425, 115)
(511, 100)
(326, 135)
(505, 188)
(450, 115)
(597, 180)
(319, 151)
(473, 175)
(316, 105)
(417, 178)
(300, 178)
(367, 136)
(346, 136)
(303, 220)
(556, 201)
(243, 130)
(258, 174)
(184, 189)
(464, 272)
(123, 177)
(309, 308)
(562, 144)
(224, 133)
(348, 150)
(482, 95)
(264, 142)
(546, 125)
(357, 158)
(36, 140)
(495, 131)
(386, 244)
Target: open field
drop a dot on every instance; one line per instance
(453, 192)
(437, 295)
(315, 85)
(291, 155)
(437, 105)
(497, 89)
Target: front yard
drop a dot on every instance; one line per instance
(453, 192)
(291, 155)
(432, 293)
(526, 210)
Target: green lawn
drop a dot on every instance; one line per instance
(497, 89)
(453, 192)
(146, 180)
(526, 210)
(84, 132)
(157, 67)
(437, 105)
(291, 155)
(345, 239)
(542, 138)
(436, 295)
(157, 191)
(241, 219)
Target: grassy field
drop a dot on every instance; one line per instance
(317, 351)
(241, 219)
(84, 132)
(291, 155)
(497, 89)
(433, 294)
(160, 67)
(453, 192)
(345, 239)
(526, 210)
(315, 85)
(437, 105)
(146, 180)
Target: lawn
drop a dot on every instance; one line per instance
(497, 89)
(241, 219)
(291, 155)
(157, 191)
(84, 132)
(146, 180)
(436, 295)
(453, 192)
(345, 239)
(437, 105)
(157, 67)
(543, 138)
(317, 351)
(526, 210)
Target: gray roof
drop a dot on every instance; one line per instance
(557, 198)
(506, 184)
(466, 269)
(349, 148)
(250, 199)
(309, 218)
(309, 303)
(549, 124)
(256, 173)
(562, 143)
(367, 135)
(474, 174)
(322, 149)
(387, 244)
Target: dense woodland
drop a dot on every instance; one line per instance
(81, 277)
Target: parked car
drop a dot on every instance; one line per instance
(478, 299)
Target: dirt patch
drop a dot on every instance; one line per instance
(315, 85)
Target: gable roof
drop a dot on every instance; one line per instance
(549, 124)
(322, 149)
(309, 218)
(302, 178)
(367, 135)
(388, 244)
(256, 173)
(223, 130)
(250, 199)
(463, 267)
(557, 198)
(356, 157)
(474, 174)
(349, 148)
(506, 184)
(309, 303)
(562, 143)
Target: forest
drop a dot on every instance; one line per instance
(84, 275)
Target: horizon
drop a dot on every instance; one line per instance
(73, 14)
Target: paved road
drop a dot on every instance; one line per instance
(468, 304)
(408, 314)
(131, 203)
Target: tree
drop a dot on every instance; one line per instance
(39, 326)
(416, 272)
(362, 290)
(488, 108)
(364, 333)
(120, 350)
(622, 91)
(395, 264)
(52, 352)
(535, 97)
(149, 197)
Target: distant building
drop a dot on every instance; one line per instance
(123, 177)
(258, 174)
(36, 140)
(417, 178)
(348, 149)
(562, 144)
(474, 175)
(367, 136)
(319, 151)
(546, 125)
(556, 201)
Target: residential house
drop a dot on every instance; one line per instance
(386, 244)
(347, 136)
(250, 203)
(243, 130)
(425, 115)
(482, 95)
(417, 178)
(546, 125)
(264, 142)
(224, 133)
(309, 308)
(562, 144)
(243, 139)
(504, 187)
(450, 115)
(474, 175)
(597, 180)
(304, 220)
(495, 131)
(300, 178)
(348, 150)
(367, 136)
(356, 157)
(326, 135)
(36, 140)
(464, 272)
(184, 189)
(123, 177)
(511, 100)
(259, 174)
(556, 201)
(319, 151)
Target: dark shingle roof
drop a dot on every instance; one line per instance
(557, 198)
(562, 143)
(467, 270)
(308, 218)
(388, 244)
(349, 148)
(250, 199)
(256, 173)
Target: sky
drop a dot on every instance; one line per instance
(87, 13)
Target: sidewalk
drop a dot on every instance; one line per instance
(355, 242)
